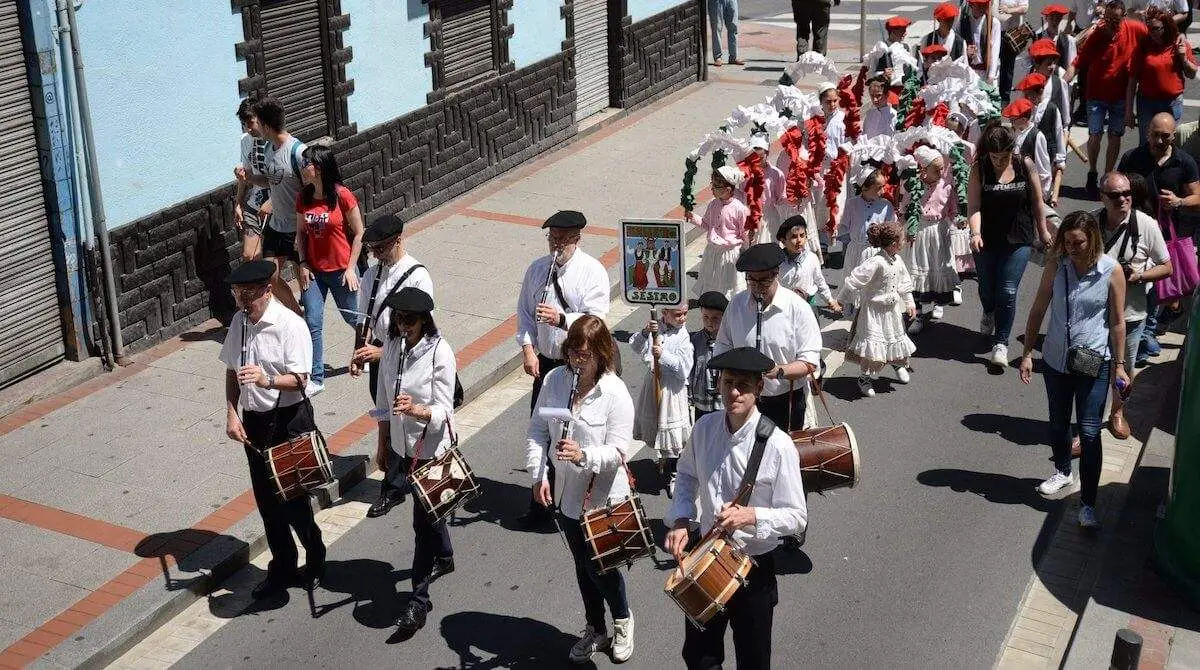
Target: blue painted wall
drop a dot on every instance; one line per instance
(388, 68)
(162, 82)
(640, 9)
(538, 33)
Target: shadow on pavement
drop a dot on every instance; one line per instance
(216, 334)
(993, 487)
(238, 601)
(510, 641)
(948, 342)
(498, 503)
(1018, 430)
(369, 586)
(183, 547)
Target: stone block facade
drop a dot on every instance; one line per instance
(655, 56)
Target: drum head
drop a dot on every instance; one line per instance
(853, 453)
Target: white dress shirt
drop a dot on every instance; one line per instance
(419, 278)
(993, 47)
(1059, 159)
(803, 272)
(603, 429)
(584, 282)
(789, 332)
(835, 134)
(427, 376)
(279, 344)
(1040, 157)
(711, 469)
(879, 121)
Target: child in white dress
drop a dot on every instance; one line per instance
(862, 211)
(667, 423)
(884, 289)
(724, 222)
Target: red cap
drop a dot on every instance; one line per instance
(897, 23)
(1019, 108)
(934, 50)
(1032, 81)
(1055, 10)
(982, 3)
(945, 11)
(1043, 48)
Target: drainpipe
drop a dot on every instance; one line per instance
(97, 198)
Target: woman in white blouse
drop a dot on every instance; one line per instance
(414, 404)
(590, 470)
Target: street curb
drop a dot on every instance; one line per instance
(134, 618)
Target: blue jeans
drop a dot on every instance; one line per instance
(1146, 109)
(596, 589)
(1101, 114)
(727, 11)
(999, 271)
(313, 300)
(1087, 396)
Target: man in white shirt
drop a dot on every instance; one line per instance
(268, 356)
(983, 42)
(394, 271)
(756, 501)
(557, 289)
(1135, 241)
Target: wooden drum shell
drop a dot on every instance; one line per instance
(707, 578)
(453, 485)
(297, 466)
(828, 457)
(617, 534)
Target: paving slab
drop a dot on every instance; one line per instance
(59, 558)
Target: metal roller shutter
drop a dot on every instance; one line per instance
(468, 40)
(591, 57)
(294, 63)
(30, 328)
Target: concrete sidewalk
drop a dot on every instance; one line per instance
(121, 499)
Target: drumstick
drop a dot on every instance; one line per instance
(1075, 148)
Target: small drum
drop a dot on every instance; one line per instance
(1018, 38)
(828, 457)
(707, 578)
(443, 484)
(617, 534)
(298, 466)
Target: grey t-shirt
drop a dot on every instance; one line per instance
(1150, 251)
(283, 171)
(253, 156)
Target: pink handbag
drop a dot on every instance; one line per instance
(1186, 274)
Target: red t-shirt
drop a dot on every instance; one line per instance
(1157, 72)
(327, 248)
(1108, 60)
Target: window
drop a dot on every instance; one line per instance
(470, 40)
(294, 54)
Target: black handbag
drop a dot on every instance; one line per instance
(1081, 360)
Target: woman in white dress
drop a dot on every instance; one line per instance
(665, 424)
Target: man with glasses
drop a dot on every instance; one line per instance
(394, 271)
(1174, 178)
(1134, 240)
(558, 288)
(268, 356)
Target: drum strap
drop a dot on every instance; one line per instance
(587, 495)
(762, 432)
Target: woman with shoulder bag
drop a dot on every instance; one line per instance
(589, 461)
(329, 236)
(414, 405)
(1085, 293)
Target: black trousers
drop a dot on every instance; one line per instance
(431, 541)
(775, 408)
(1008, 62)
(750, 612)
(812, 19)
(545, 365)
(596, 589)
(279, 519)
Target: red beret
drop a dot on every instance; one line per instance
(1018, 109)
(934, 50)
(1032, 81)
(1055, 10)
(1043, 48)
(979, 2)
(897, 23)
(945, 11)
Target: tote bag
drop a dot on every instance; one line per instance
(1186, 275)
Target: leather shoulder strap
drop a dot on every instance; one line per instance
(762, 432)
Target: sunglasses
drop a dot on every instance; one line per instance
(1117, 195)
(407, 318)
(382, 246)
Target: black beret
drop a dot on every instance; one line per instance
(409, 299)
(742, 359)
(252, 272)
(383, 227)
(761, 257)
(714, 300)
(567, 218)
(788, 224)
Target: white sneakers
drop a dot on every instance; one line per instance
(590, 643)
(1057, 482)
(987, 324)
(671, 485)
(956, 297)
(313, 388)
(938, 312)
(999, 356)
(902, 374)
(1087, 517)
(622, 642)
(865, 387)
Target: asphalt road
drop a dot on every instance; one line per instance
(921, 566)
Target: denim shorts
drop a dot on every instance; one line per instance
(1100, 113)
